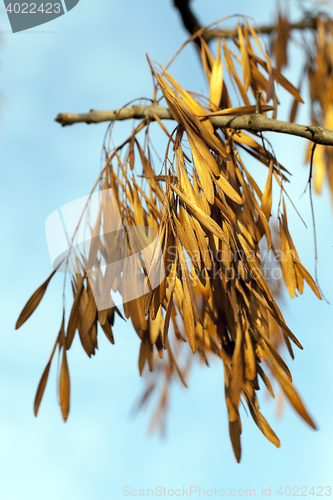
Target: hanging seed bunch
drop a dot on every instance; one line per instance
(212, 221)
(316, 72)
(320, 75)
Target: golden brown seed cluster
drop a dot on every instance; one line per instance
(213, 222)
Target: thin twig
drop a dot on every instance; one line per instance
(314, 221)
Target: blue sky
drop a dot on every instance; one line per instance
(94, 57)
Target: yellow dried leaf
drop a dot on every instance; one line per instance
(266, 204)
(235, 432)
(233, 73)
(42, 383)
(188, 229)
(274, 356)
(205, 220)
(187, 110)
(192, 250)
(33, 302)
(262, 222)
(64, 387)
(267, 430)
(293, 111)
(249, 357)
(201, 201)
(146, 353)
(245, 59)
(204, 284)
(287, 85)
(156, 326)
(131, 154)
(321, 167)
(291, 394)
(201, 149)
(216, 79)
(254, 34)
(106, 327)
(243, 138)
(228, 189)
(299, 277)
(200, 156)
(252, 261)
(73, 321)
(202, 242)
(136, 312)
(237, 377)
(308, 278)
(167, 317)
(287, 263)
(240, 111)
(265, 379)
(206, 58)
(187, 302)
(86, 319)
(41, 388)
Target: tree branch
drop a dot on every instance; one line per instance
(190, 21)
(260, 123)
(254, 123)
(96, 116)
(192, 25)
(265, 29)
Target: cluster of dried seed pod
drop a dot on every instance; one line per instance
(212, 220)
